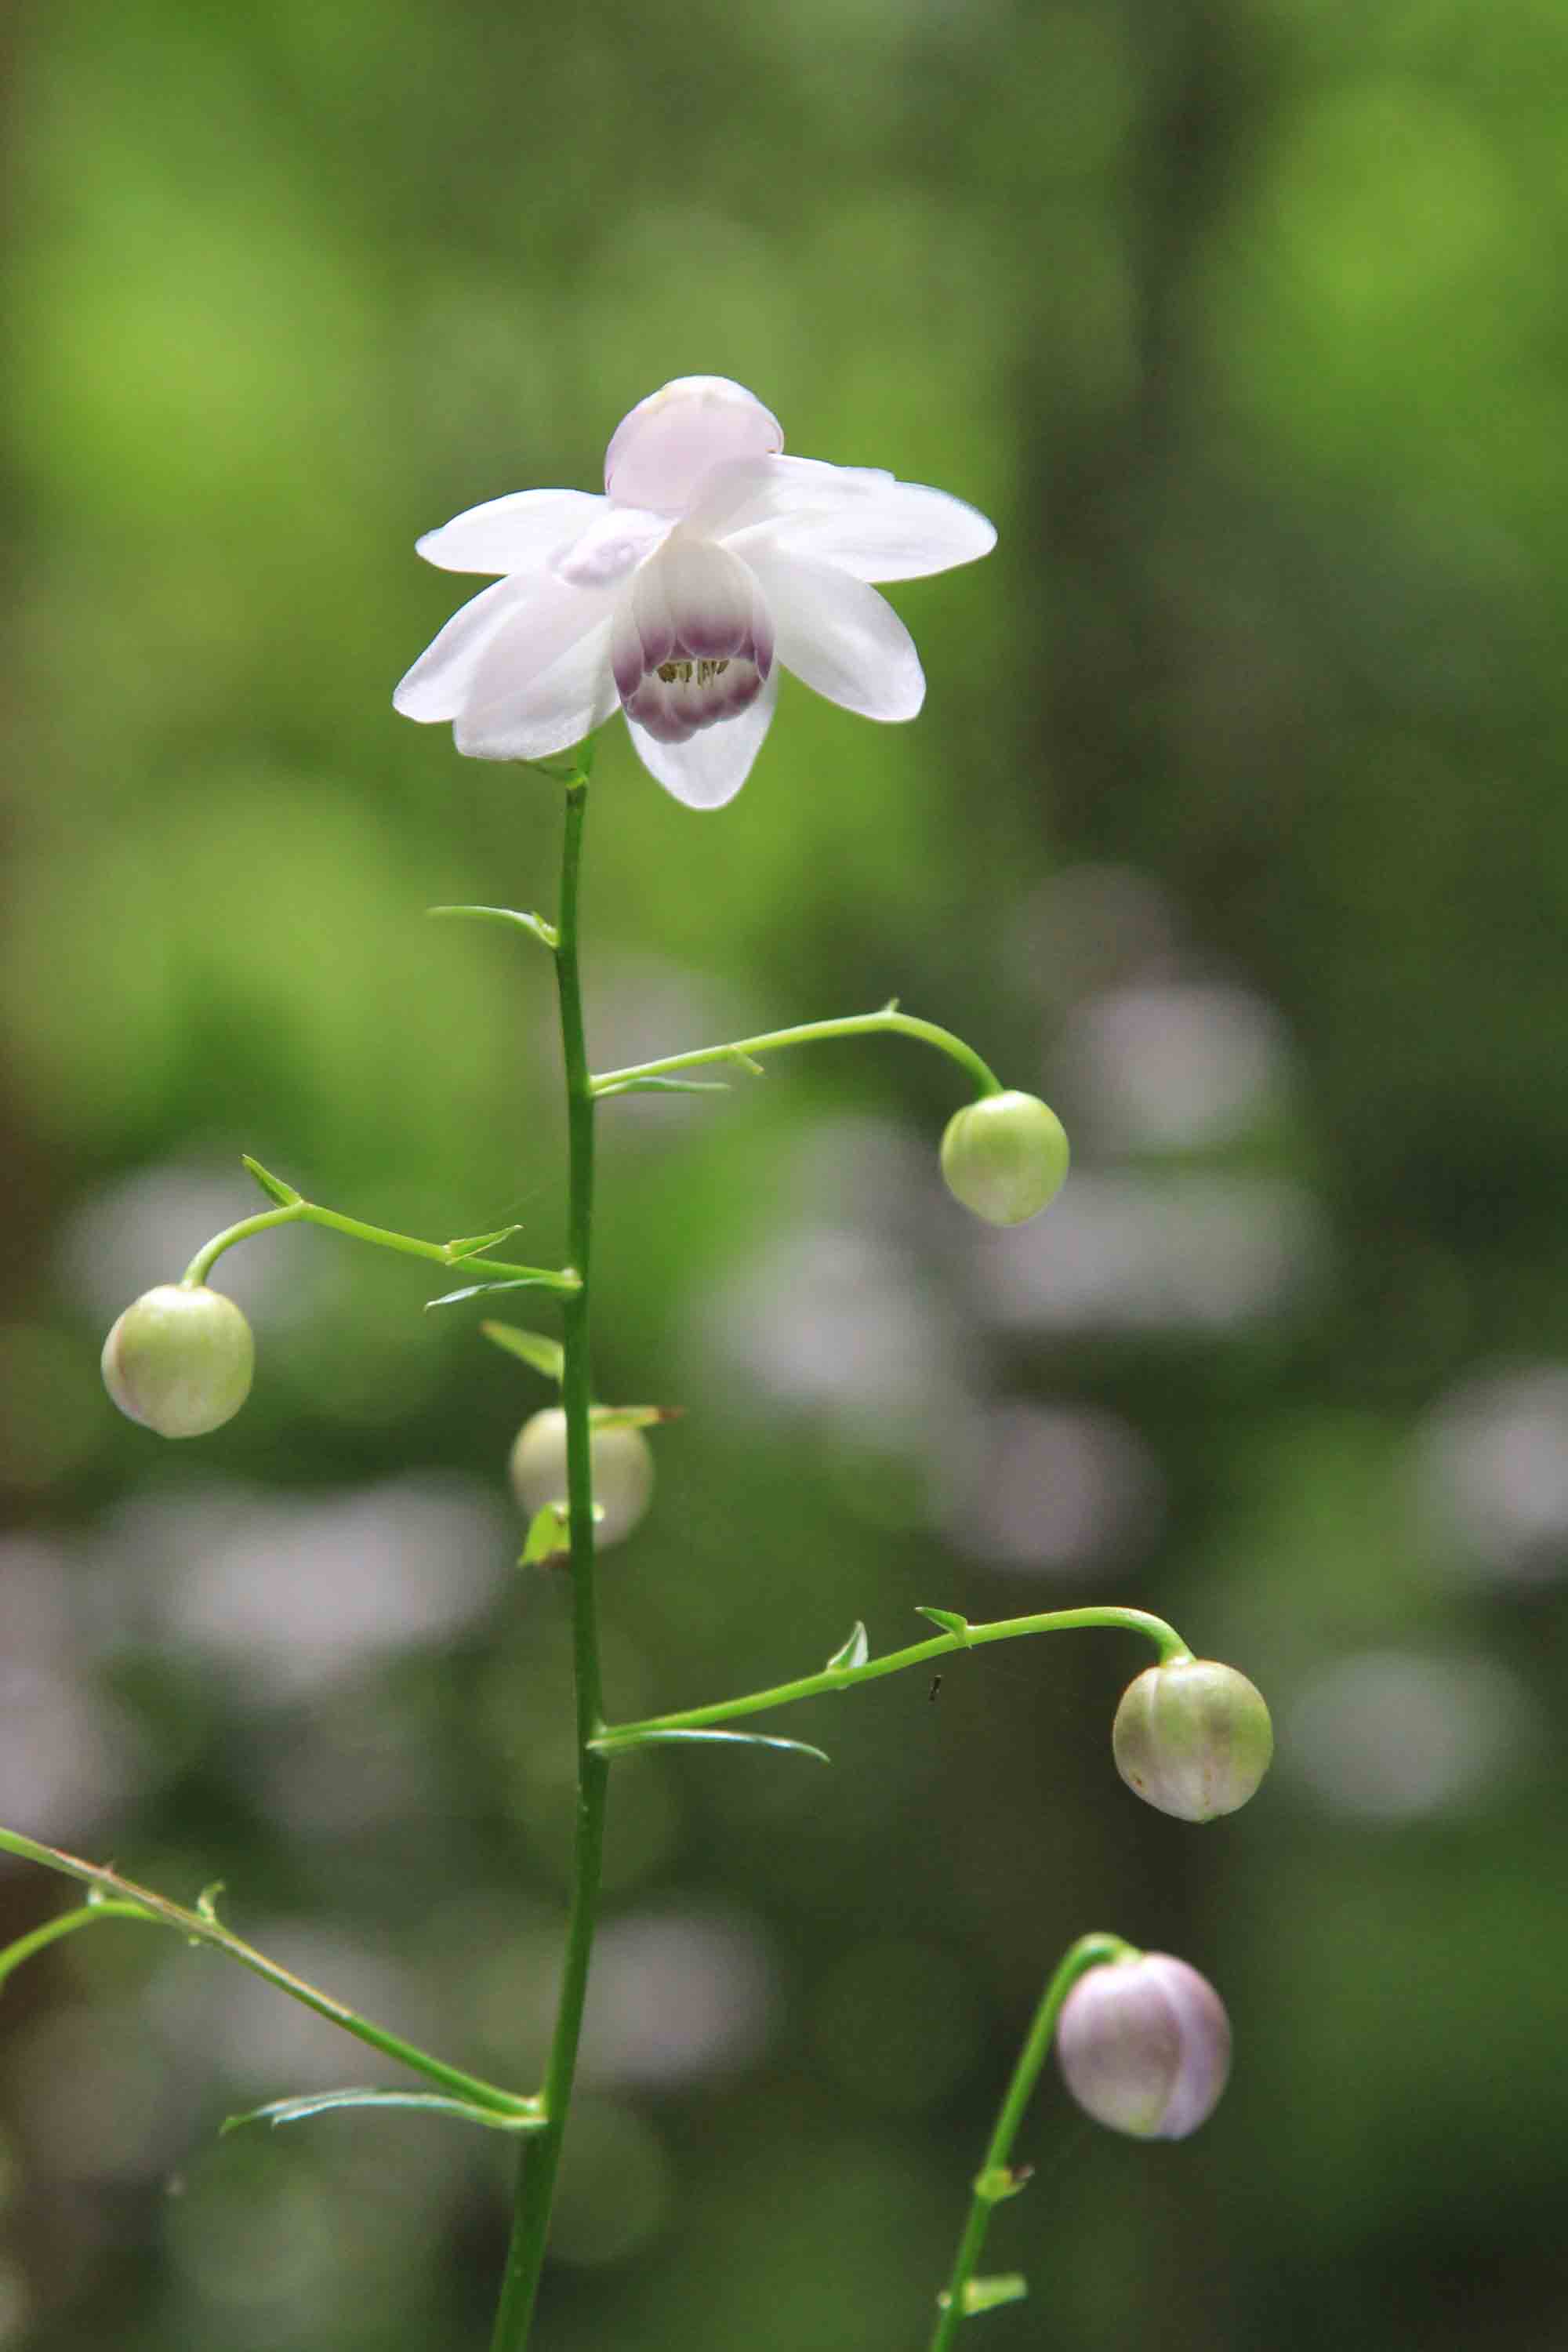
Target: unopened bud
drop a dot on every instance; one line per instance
(620, 1462)
(1192, 1738)
(1005, 1157)
(180, 1360)
(1144, 2045)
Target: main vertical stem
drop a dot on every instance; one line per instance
(542, 2157)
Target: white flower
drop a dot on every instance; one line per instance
(710, 562)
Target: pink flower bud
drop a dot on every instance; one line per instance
(1144, 2046)
(180, 1360)
(1005, 1157)
(1192, 1738)
(620, 1462)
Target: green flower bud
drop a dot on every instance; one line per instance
(1005, 1157)
(1144, 2045)
(620, 1462)
(180, 1360)
(1192, 1738)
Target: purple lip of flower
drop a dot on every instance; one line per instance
(693, 642)
(678, 698)
(713, 563)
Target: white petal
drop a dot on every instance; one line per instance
(616, 540)
(660, 452)
(867, 523)
(839, 636)
(709, 768)
(710, 595)
(758, 489)
(510, 534)
(544, 681)
(438, 683)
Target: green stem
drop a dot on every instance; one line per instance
(1165, 1638)
(536, 2173)
(994, 2182)
(86, 1916)
(200, 1927)
(810, 1032)
(439, 1252)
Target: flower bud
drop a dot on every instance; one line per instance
(1192, 1738)
(620, 1462)
(180, 1360)
(1005, 1157)
(1144, 2045)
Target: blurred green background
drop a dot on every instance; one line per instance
(1234, 825)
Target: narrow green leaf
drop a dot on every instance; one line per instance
(634, 1416)
(1001, 2181)
(545, 933)
(948, 1618)
(273, 1186)
(482, 1289)
(546, 1356)
(665, 1087)
(548, 1537)
(319, 2103)
(855, 1651)
(476, 1244)
(618, 1743)
(989, 2294)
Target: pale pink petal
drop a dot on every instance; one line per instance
(839, 636)
(710, 595)
(746, 490)
(616, 540)
(867, 523)
(438, 685)
(543, 682)
(516, 533)
(662, 449)
(709, 769)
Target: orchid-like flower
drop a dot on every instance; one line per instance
(710, 562)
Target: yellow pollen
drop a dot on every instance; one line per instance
(706, 671)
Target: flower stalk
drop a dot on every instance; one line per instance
(121, 1899)
(963, 1636)
(541, 2160)
(995, 2180)
(449, 1254)
(886, 1020)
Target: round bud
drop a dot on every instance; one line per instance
(1144, 2045)
(1005, 1157)
(180, 1360)
(620, 1462)
(1192, 1738)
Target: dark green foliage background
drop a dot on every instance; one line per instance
(1244, 321)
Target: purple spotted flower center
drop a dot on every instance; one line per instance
(692, 642)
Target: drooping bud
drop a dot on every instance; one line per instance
(620, 1462)
(180, 1360)
(1005, 1157)
(1192, 1738)
(1144, 2045)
